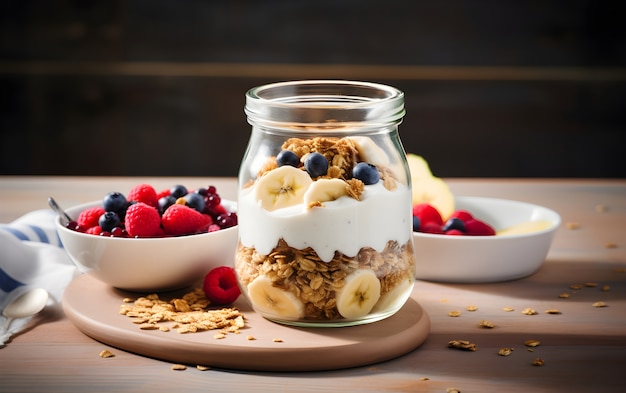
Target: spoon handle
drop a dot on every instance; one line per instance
(65, 219)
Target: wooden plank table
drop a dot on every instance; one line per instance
(583, 348)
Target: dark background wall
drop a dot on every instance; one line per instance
(494, 88)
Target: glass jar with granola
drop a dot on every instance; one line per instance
(324, 206)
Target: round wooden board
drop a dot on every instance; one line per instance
(94, 308)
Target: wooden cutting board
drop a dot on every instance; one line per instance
(94, 308)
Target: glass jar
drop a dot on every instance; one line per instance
(324, 205)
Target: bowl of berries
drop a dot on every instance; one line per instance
(465, 239)
(149, 240)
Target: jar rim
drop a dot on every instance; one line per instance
(324, 103)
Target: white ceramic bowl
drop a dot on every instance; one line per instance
(482, 259)
(153, 264)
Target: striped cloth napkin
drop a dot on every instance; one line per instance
(31, 255)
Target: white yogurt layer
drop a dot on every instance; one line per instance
(345, 225)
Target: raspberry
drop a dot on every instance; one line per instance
(163, 193)
(94, 230)
(183, 220)
(220, 286)
(89, 218)
(454, 232)
(431, 227)
(144, 193)
(427, 213)
(475, 227)
(143, 220)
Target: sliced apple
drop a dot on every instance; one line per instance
(418, 167)
(428, 188)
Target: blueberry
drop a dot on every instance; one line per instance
(165, 202)
(108, 221)
(178, 191)
(114, 202)
(416, 224)
(454, 223)
(365, 172)
(195, 201)
(316, 164)
(287, 157)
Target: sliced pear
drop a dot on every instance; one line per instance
(282, 187)
(359, 294)
(271, 300)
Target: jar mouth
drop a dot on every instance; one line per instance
(324, 104)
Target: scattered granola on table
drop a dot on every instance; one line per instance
(462, 344)
(189, 313)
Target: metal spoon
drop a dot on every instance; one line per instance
(65, 219)
(27, 304)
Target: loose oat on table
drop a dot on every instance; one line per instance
(202, 368)
(600, 208)
(553, 311)
(462, 344)
(532, 343)
(487, 324)
(538, 362)
(564, 295)
(606, 288)
(452, 390)
(454, 313)
(572, 225)
(105, 353)
(179, 367)
(508, 309)
(471, 308)
(505, 351)
(277, 340)
(529, 311)
(599, 304)
(576, 286)
(610, 245)
(250, 337)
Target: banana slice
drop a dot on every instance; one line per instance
(359, 294)
(268, 299)
(370, 152)
(282, 187)
(395, 297)
(325, 190)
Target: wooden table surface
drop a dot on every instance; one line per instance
(583, 347)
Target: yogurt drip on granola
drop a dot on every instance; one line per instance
(378, 217)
